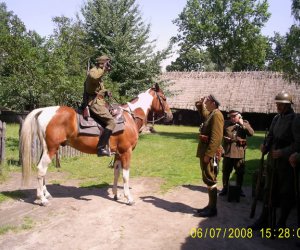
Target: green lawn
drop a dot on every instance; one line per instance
(169, 154)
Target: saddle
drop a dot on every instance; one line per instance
(90, 126)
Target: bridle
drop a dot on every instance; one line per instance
(161, 103)
(163, 108)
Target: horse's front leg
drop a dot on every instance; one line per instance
(42, 192)
(127, 194)
(117, 168)
(125, 159)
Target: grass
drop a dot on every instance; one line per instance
(11, 151)
(27, 224)
(11, 195)
(169, 154)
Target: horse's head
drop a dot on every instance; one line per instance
(159, 103)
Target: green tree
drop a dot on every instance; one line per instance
(191, 59)
(275, 59)
(291, 54)
(67, 61)
(229, 30)
(291, 51)
(116, 28)
(296, 9)
(21, 69)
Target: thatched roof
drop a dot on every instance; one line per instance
(245, 91)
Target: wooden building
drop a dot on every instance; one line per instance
(252, 93)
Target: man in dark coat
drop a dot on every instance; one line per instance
(280, 144)
(236, 131)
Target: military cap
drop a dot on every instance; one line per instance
(233, 112)
(214, 99)
(283, 97)
(102, 59)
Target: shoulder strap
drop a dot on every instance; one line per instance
(209, 117)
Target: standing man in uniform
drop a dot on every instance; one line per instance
(236, 131)
(295, 157)
(280, 144)
(210, 138)
(95, 94)
(294, 160)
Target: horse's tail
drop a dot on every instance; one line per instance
(29, 127)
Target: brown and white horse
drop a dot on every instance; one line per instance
(57, 126)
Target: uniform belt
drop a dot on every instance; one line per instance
(241, 142)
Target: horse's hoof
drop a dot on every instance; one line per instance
(45, 203)
(48, 196)
(130, 203)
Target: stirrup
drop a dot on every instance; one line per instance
(104, 152)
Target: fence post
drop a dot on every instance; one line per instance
(57, 161)
(2, 144)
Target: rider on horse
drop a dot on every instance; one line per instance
(94, 95)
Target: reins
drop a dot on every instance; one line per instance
(131, 112)
(163, 108)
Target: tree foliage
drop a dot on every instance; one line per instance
(191, 59)
(36, 71)
(292, 47)
(116, 28)
(284, 52)
(275, 59)
(21, 57)
(67, 60)
(228, 30)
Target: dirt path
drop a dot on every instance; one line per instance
(83, 218)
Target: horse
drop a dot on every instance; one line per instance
(57, 125)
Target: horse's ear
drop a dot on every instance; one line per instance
(156, 87)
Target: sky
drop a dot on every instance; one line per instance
(37, 15)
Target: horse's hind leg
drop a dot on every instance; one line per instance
(42, 192)
(117, 168)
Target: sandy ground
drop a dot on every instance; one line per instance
(88, 218)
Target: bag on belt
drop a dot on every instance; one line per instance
(204, 139)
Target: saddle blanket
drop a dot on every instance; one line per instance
(89, 125)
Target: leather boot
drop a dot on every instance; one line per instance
(200, 210)
(223, 191)
(262, 221)
(225, 180)
(102, 149)
(212, 209)
(285, 209)
(239, 183)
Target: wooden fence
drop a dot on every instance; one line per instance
(65, 151)
(2, 144)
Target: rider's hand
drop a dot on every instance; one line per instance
(108, 94)
(107, 66)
